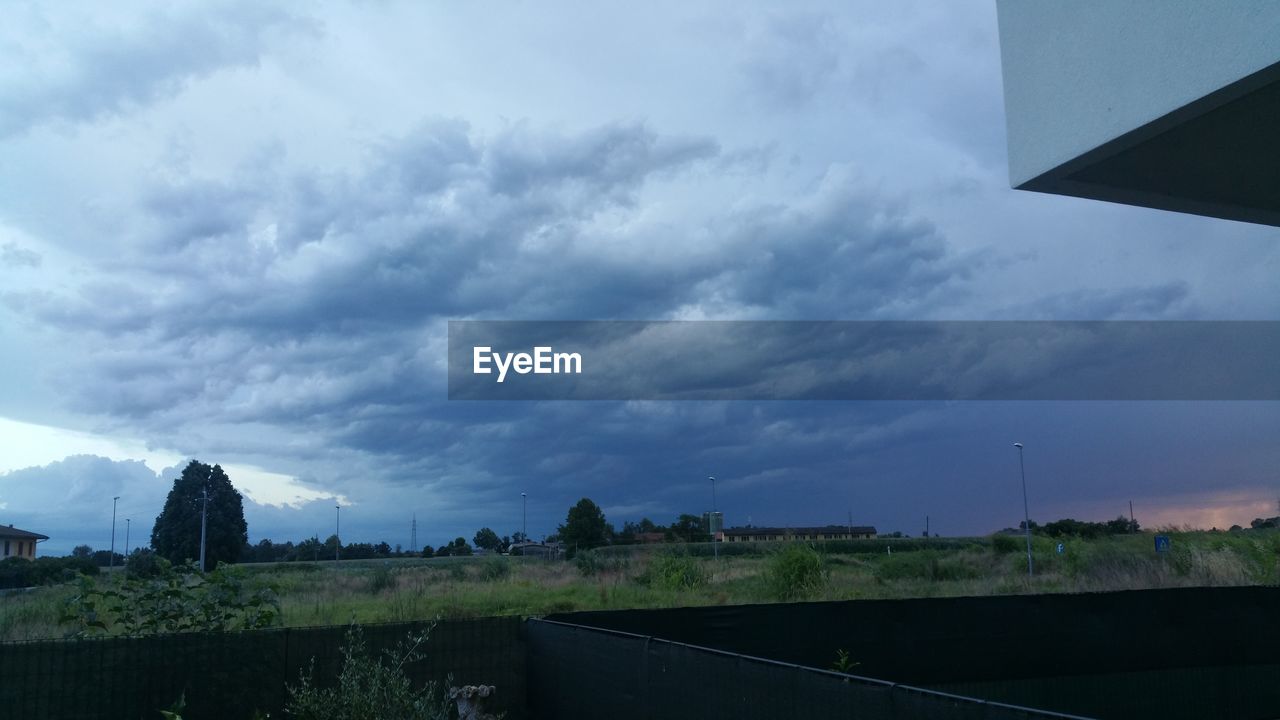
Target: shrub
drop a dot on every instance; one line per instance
(794, 571)
(370, 686)
(674, 570)
(927, 565)
(1004, 543)
(146, 564)
(181, 600)
(594, 562)
(381, 579)
(19, 572)
(494, 569)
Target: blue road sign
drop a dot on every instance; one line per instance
(1162, 543)
(1061, 548)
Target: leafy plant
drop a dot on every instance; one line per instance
(594, 562)
(176, 600)
(843, 662)
(382, 579)
(370, 687)
(795, 571)
(674, 571)
(494, 569)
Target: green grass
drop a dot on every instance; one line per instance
(657, 577)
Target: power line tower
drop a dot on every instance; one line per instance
(413, 534)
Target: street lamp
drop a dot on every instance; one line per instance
(111, 559)
(524, 518)
(204, 521)
(1026, 514)
(711, 520)
(337, 531)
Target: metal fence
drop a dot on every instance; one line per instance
(233, 675)
(581, 672)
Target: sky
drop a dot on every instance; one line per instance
(236, 232)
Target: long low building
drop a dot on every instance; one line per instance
(826, 532)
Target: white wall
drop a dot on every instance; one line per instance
(1078, 73)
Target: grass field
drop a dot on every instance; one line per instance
(666, 576)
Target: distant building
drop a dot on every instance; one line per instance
(647, 538)
(534, 549)
(826, 532)
(19, 543)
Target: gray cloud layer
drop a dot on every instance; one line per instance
(238, 232)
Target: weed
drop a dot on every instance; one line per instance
(381, 579)
(494, 569)
(370, 686)
(795, 572)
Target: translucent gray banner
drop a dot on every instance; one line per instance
(890, 360)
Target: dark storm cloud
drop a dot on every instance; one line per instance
(325, 315)
(80, 68)
(250, 251)
(1167, 300)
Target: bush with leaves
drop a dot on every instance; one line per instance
(674, 570)
(145, 563)
(795, 571)
(494, 569)
(175, 600)
(595, 562)
(18, 572)
(370, 687)
(383, 578)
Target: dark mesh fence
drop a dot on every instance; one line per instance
(232, 675)
(579, 672)
(1183, 653)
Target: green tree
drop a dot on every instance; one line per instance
(690, 528)
(488, 539)
(176, 535)
(584, 528)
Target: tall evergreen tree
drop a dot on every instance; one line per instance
(584, 527)
(176, 535)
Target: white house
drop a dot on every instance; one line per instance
(19, 543)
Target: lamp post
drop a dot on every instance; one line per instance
(204, 520)
(524, 518)
(711, 520)
(337, 531)
(1026, 514)
(111, 559)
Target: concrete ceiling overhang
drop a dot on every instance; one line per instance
(1169, 104)
(1218, 156)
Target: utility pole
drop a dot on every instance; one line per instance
(1132, 523)
(524, 518)
(111, 559)
(1026, 514)
(711, 521)
(127, 521)
(204, 514)
(337, 532)
(926, 527)
(413, 535)
(850, 523)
